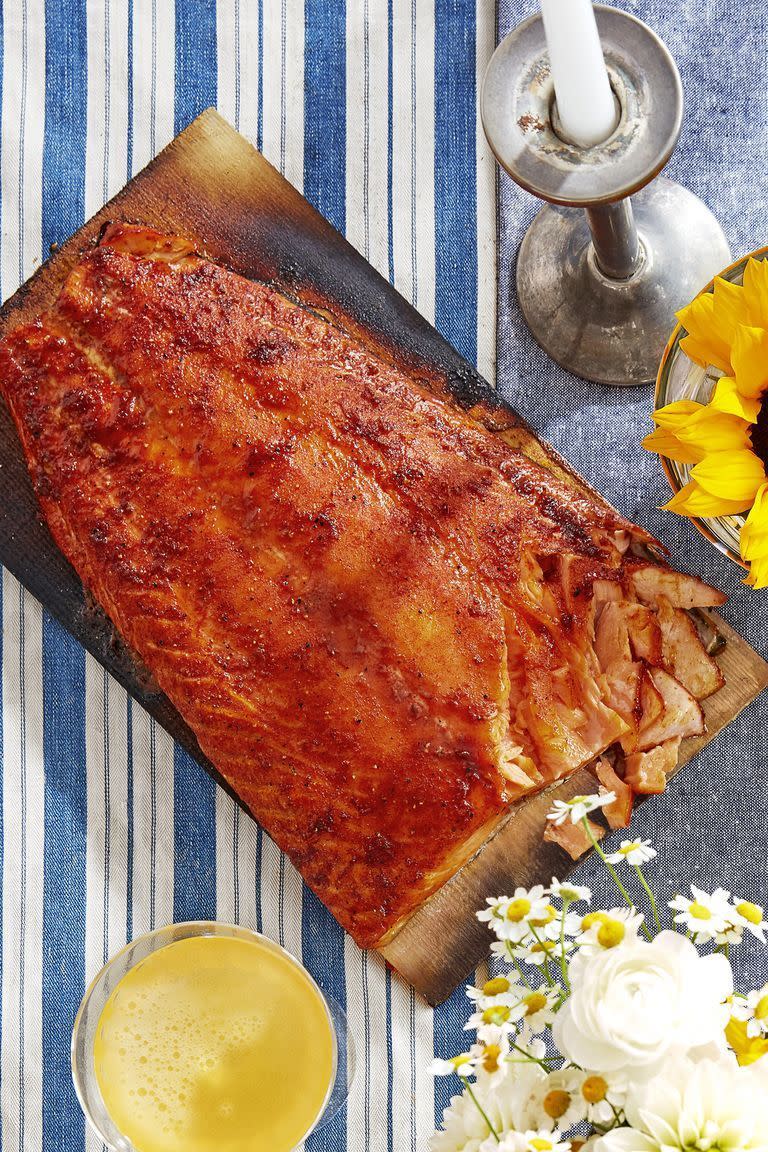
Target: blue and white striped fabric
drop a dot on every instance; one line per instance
(107, 829)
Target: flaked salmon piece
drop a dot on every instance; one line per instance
(619, 812)
(647, 772)
(683, 653)
(573, 837)
(681, 714)
(612, 636)
(644, 632)
(650, 582)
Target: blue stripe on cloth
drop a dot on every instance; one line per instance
(129, 83)
(455, 297)
(64, 870)
(260, 88)
(194, 822)
(325, 103)
(194, 838)
(325, 139)
(195, 60)
(456, 175)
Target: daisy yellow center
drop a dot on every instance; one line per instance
(496, 987)
(543, 946)
(549, 915)
(594, 1089)
(556, 1103)
(751, 912)
(496, 1015)
(539, 1144)
(593, 918)
(534, 1002)
(518, 909)
(700, 911)
(491, 1057)
(611, 933)
(625, 851)
(462, 1058)
(761, 1008)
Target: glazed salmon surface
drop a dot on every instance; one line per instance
(378, 619)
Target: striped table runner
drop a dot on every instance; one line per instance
(107, 829)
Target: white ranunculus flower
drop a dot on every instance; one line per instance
(630, 1006)
(707, 1104)
(506, 1104)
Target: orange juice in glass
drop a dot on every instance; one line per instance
(203, 1037)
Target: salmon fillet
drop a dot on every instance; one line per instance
(377, 618)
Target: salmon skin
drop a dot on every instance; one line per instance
(376, 617)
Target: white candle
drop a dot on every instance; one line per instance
(585, 102)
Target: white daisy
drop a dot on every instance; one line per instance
(461, 1065)
(635, 852)
(558, 1100)
(754, 1009)
(580, 806)
(753, 918)
(599, 1092)
(705, 915)
(498, 990)
(530, 1141)
(570, 893)
(503, 1017)
(541, 950)
(503, 1102)
(497, 906)
(539, 1008)
(602, 930)
(733, 933)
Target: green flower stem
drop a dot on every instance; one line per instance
(651, 896)
(630, 903)
(480, 1108)
(563, 961)
(518, 966)
(545, 965)
(531, 1059)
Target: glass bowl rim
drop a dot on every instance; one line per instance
(198, 928)
(671, 348)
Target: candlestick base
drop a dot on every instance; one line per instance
(600, 277)
(608, 330)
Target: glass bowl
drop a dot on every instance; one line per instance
(98, 992)
(680, 379)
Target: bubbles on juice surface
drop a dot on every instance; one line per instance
(196, 1050)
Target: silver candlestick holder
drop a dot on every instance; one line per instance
(600, 275)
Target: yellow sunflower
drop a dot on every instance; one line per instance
(726, 440)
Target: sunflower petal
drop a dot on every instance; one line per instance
(756, 290)
(734, 475)
(727, 398)
(714, 431)
(749, 357)
(675, 415)
(754, 534)
(710, 321)
(758, 574)
(693, 500)
(667, 444)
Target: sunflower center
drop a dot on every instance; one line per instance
(760, 434)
